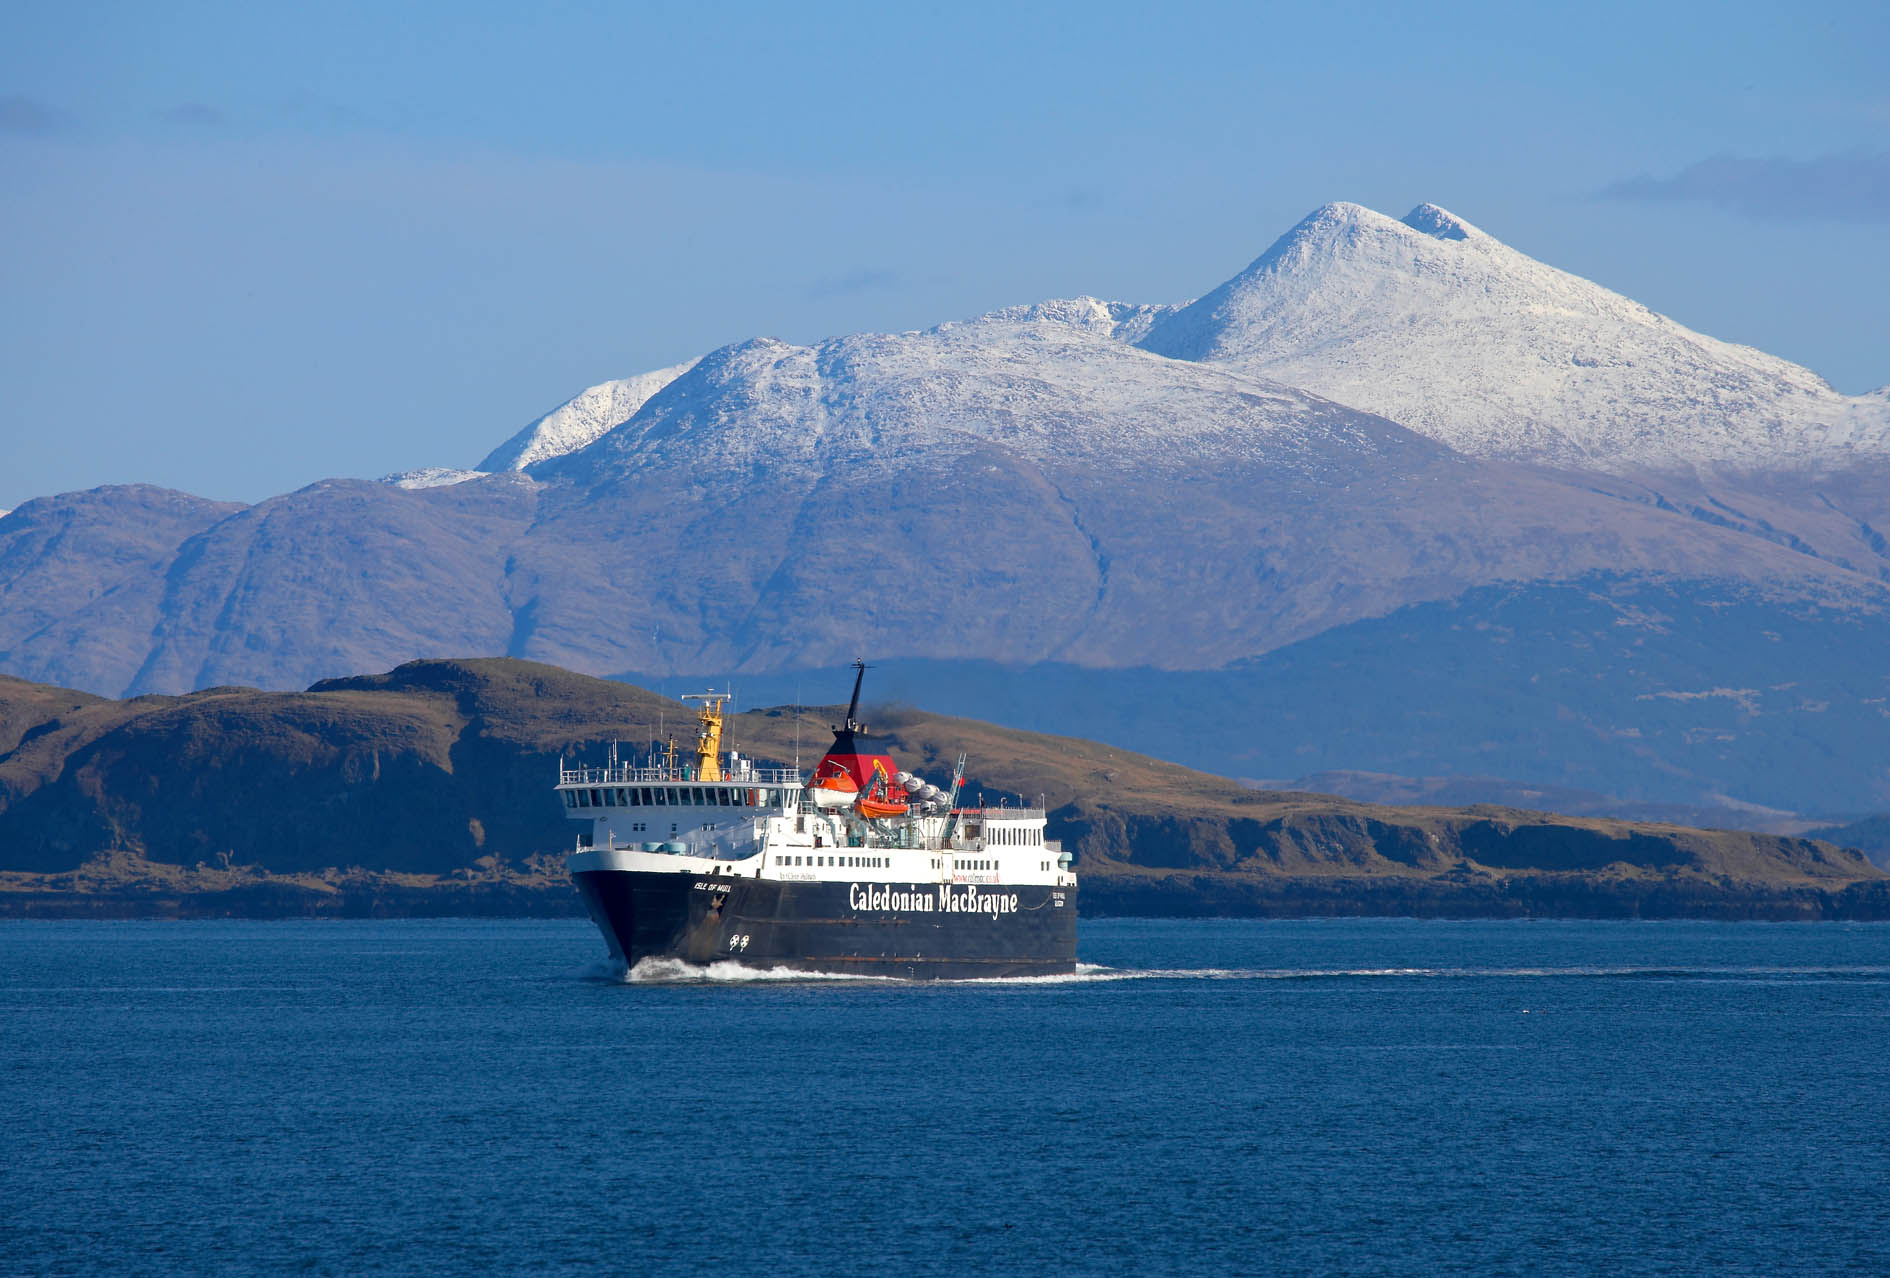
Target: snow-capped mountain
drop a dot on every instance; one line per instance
(579, 420)
(1083, 488)
(1092, 484)
(1439, 326)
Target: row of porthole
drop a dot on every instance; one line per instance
(856, 862)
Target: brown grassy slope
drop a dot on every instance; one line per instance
(34, 709)
(437, 764)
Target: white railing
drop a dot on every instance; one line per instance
(628, 775)
(989, 813)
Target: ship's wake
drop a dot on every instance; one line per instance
(669, 971)
(1094, 972)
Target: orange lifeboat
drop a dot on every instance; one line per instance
(833, 790)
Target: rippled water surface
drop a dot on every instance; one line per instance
(1357, 1096)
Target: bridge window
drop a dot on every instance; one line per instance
(570, 798)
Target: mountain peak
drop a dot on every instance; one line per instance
(1440, 223)
(1442, 328)
(1336, 220)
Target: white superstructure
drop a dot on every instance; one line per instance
(760, 822)
(724, 814)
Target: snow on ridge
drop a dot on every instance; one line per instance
(431, 477)
(1124, 321)
(582, 419)
(1035, 387)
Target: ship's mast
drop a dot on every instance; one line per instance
(853, 723)
(708, 733)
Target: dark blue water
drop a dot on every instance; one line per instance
(1356, 1096)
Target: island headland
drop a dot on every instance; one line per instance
(427, 791)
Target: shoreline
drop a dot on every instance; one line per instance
(1173, 896)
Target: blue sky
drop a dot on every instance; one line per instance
(244, 248)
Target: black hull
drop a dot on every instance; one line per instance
(912, 931)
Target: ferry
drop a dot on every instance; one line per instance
(856, 868)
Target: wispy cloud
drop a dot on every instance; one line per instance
(21, 114)
(863, 280)
(1853, 186)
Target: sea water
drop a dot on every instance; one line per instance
(1358, 1096)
